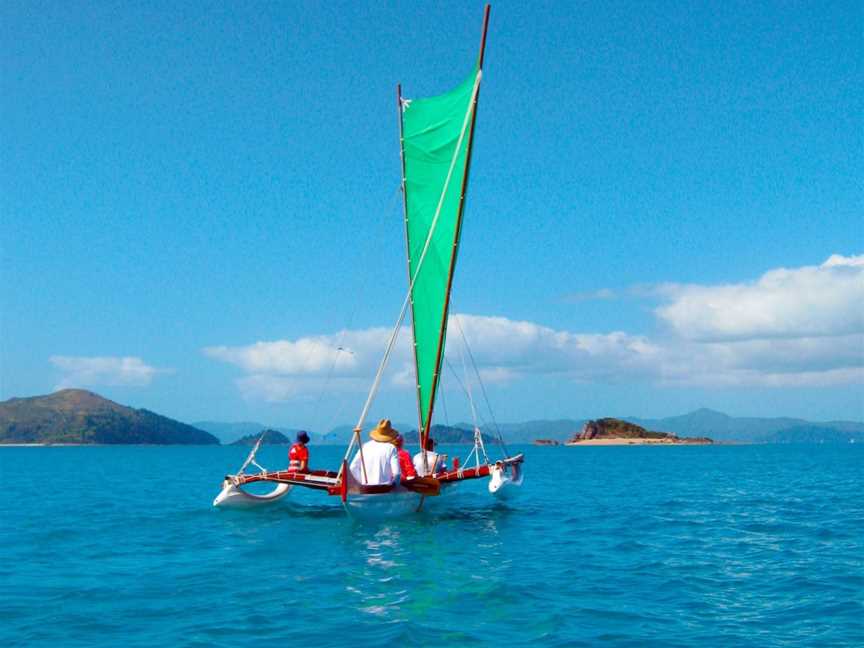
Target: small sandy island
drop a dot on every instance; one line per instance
(614, 432)
(608, 442)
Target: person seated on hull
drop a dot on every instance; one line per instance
(405, 465)
(433, 463)
(298, 455)
(377, 461)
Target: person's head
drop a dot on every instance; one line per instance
(430, 444)
(400, 441)
(384, 432)
(302, 437)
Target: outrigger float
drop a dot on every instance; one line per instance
(436, 136)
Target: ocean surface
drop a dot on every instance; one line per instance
(625, 546)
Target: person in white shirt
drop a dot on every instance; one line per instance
(435, 463)
(378, 456)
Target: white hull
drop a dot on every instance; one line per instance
(233, 496)
(385, 505)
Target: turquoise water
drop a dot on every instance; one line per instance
(628, 546)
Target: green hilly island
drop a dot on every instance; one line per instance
(272, 437)
(80, 416)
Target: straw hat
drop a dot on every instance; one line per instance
(384, 432)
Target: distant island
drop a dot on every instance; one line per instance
(228, 433)
(272, 437)
(712, 424)
(79, 417)
(612, 431)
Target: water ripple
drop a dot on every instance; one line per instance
(725, 546)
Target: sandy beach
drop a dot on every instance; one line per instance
(617, 442)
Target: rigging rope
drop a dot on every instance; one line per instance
(482, 388)
(478, 440)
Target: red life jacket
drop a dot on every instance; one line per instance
(406, 467)
(298, 454)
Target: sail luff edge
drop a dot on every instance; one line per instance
(399, 109)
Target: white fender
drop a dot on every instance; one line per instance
(499, 478)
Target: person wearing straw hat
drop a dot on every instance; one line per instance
(377, 462)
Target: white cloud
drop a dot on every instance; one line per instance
(812, 301)
(504, 350)
(768, 363)
(346, 353)
(83, 371)
(510, 349)
(791, 327)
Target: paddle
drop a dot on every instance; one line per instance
(427, 486)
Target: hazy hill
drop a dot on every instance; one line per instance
(814, 434)
(273, 437)
(527, 432)
(230, 432)
(79, 416)
(449, 434)
(341, 434)
(701, 423)
(721, 427)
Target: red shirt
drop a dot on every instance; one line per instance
(298, 454)
(406, 467)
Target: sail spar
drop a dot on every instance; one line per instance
(436, 134)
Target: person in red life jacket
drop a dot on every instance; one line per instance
(405, 465)
(298, 455)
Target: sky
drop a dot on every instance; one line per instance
(199, 207)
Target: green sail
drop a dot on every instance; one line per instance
(432, 129)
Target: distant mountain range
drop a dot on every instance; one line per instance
(228, 433)
(529, 431)
(341, 434)
(721, 427)
(451, 434)
(701, 423)
(79, 416)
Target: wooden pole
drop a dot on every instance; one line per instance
(483, 36)
(362, 460)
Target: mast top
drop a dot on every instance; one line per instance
(483, 36)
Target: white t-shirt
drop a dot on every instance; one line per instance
(431, 460)
(381, 461)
